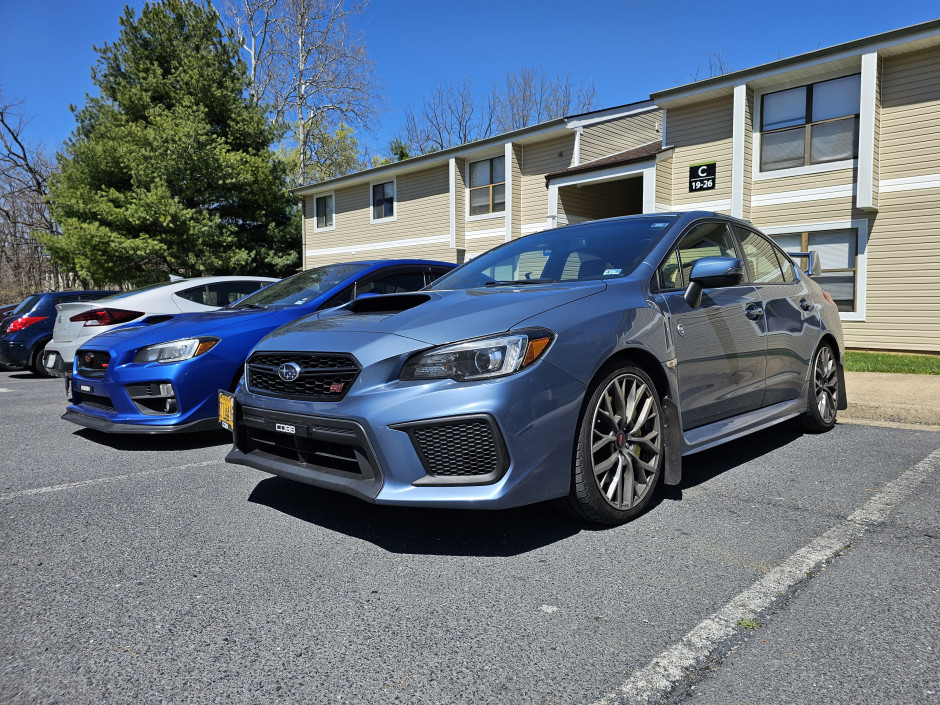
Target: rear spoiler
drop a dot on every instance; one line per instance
(813, 265)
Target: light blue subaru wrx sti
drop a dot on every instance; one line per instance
(579, 363)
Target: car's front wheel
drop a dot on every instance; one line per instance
(823, 396)
(618, 457)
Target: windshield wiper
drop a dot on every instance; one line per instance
(249, 305)
(511, 282)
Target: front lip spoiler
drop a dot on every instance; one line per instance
(93, 422)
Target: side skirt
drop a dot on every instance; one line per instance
(704, 437)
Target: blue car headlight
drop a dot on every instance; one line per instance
(175, 351)
(481, 358)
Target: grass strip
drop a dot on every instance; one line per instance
(858, 361)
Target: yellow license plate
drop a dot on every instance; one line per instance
(227, 410)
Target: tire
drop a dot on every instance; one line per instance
(36, 365)
(618, 455)
(823, 395)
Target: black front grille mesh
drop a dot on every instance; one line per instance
(95, 402)
(323, 376)
(92, 363)
(462, 449)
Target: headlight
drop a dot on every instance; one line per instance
(482, 358)
(175, 351)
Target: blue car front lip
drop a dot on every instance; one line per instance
(536, 412)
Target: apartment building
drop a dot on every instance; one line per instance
(835, 151)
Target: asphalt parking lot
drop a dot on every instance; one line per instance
(146, 570)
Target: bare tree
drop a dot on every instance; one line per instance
(309, 66)
(24, 173)
(718, 65)
(530, 96)
(452, 114)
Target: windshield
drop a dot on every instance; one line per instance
(604, 249)
(136, 291)
(300, 288)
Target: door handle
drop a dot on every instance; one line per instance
(806, 305)
(753, 311)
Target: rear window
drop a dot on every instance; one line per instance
(26, 305)
(149, 287)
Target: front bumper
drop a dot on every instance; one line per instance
(366, 444)
(151, 399)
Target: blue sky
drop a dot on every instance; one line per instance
(628, 49)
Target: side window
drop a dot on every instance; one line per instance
(761, 258)
(225, 293)
(393, 284)
(197, 295)
(786, 264)
(704, 240)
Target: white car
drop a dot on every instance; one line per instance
(75, 323)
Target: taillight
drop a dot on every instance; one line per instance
(105, 316)
(24, 322)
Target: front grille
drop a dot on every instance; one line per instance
(314, 453)
(93, 401)
(323, 376)
(462, 450)
(92, 363)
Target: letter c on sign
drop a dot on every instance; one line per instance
(701, 170)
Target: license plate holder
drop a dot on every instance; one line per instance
(227, 410)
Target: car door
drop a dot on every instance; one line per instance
(720, 345)
(790, 315)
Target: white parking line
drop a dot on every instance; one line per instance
(653, 682)
(102, 480)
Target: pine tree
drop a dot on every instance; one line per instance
(170, 168)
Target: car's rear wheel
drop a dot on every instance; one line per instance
(618, 457)
(36, 364)
(823, 397)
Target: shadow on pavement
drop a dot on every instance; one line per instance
(451, 532)
(465, 532)
(151, 442)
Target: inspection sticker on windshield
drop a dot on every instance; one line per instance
(611, 272)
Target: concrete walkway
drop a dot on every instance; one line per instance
(892, 398)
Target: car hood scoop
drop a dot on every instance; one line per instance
(434, 317)
(389, 303)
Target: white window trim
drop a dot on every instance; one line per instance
(756, 173)
(394, 216)
(321, 194)
(861, 267)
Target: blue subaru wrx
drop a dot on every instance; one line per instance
(161, 376)
(579, 363)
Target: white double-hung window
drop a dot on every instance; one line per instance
(488, 186)
(811, 124)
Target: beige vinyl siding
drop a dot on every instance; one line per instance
(839, 177)
(620, 134)
(903, 292)
(910, 115)
(822, 211)
(701, 133)
(748, 152)
(537, 161)
(491, 223)
(664, 183)
(422, 210)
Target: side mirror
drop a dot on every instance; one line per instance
(712, 272)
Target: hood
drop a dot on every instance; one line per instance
(190, 325)
(435, 317)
